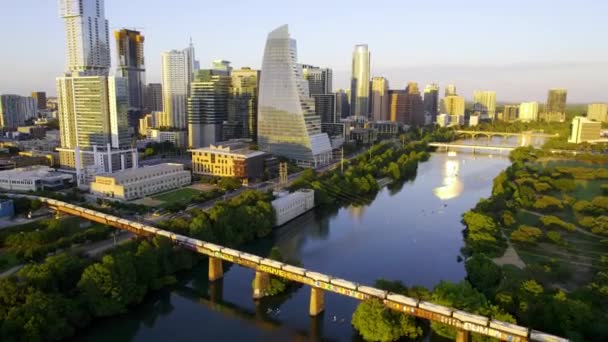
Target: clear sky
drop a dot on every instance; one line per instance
(519, 48)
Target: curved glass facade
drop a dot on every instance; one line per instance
(359, 87)
(287, 123)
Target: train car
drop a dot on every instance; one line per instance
(138, 225)
(250, 257)
(272, 263)
(195, 242)
(344, 283)
(231, 252)
(372, 291)
(150, 230)
(541, 336)
(212, 247)
(180, 238)
(318, 276)
(294, 270)
(90, 212)
(70, 206)
(165, 234)
(509, 328)
(470, 318)
(124, 222)
(435, 308)
(50, 201)
(403, 300)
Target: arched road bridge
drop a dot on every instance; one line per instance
(319, 283)
(530, 134)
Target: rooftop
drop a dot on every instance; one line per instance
(30, 172)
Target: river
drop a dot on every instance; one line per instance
(410, 233)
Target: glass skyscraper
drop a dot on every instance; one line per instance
(359, 85)
(287, 123)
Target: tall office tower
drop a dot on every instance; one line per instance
(450, 90)
(510, 113)
(191, 63)
(319, 79)
(15, 110)
(207, 107)
(414, 107)
(287, 123)
(87, 33)
(176, 68)
(452, 105)
(598, 112)
(359, 84)
(221, 66)
(431, 102)
(342, 104)
(92, 106)
(555, 110)
(325, 107)
(398, 106)
(243, 103)
(381, 102)
(484, 103)
(40, 97)
(528, 111)
(131, 65)
(154, 97)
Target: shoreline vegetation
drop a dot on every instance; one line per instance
(60, 294)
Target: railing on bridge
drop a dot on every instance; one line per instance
(464, 322)
(447, 146)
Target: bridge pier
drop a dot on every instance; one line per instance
(317, 301)
(216, 290)
(215, 269)
(462, 336)
(260, 284)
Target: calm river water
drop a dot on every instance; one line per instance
(411, 233)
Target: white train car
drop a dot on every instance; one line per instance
(509, 328)
(165, 234)
(50, 201)
(344, 283)
(124, 222)
(541, 336)
(231, 252)
(180, 238)
(250, 257)
(318, 276)
(272, 263)
(294, 270)
(372, 291)
(195, 242)
(435, 308)
(212, 247)
(90, 212)
(138, 225)
(470, 318)
(150, 230)
(403, 300)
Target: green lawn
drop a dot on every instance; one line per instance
(587, 189)
(184, 195)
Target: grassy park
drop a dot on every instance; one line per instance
(180, 196)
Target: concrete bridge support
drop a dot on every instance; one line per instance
(215, 269)
(463, 336)
(260, 284)
(317, 301)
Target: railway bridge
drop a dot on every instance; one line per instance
(464, 322)
(525, 138)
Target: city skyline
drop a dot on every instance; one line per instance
(566, 59)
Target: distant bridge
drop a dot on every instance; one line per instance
(319, 283)
(489, 134)
(475, 148)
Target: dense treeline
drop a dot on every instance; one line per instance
(50, 300)
(529, 294)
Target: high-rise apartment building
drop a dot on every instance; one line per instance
(243, 102)
(510, 113)
(583, 130)
(450, 90)
(414, 107)
(484, 103)
(342, 104)
(131, 65)
(87, 33)
(453, 105)
(40, 97)
(176, 68)
(381, 102)
(598, 112)
(154, 97)
(359, 85)
(207, 107)
(287, 123)
(319, 79)
(15, 109)
(221, 66)
(431, 101)
(555, 109)
(398, 111)
(325, 107)
(528, 111)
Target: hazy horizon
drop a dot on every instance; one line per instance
(517, 49)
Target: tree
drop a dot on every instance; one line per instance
(526, 234)
(375, 322)
(483, 273)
